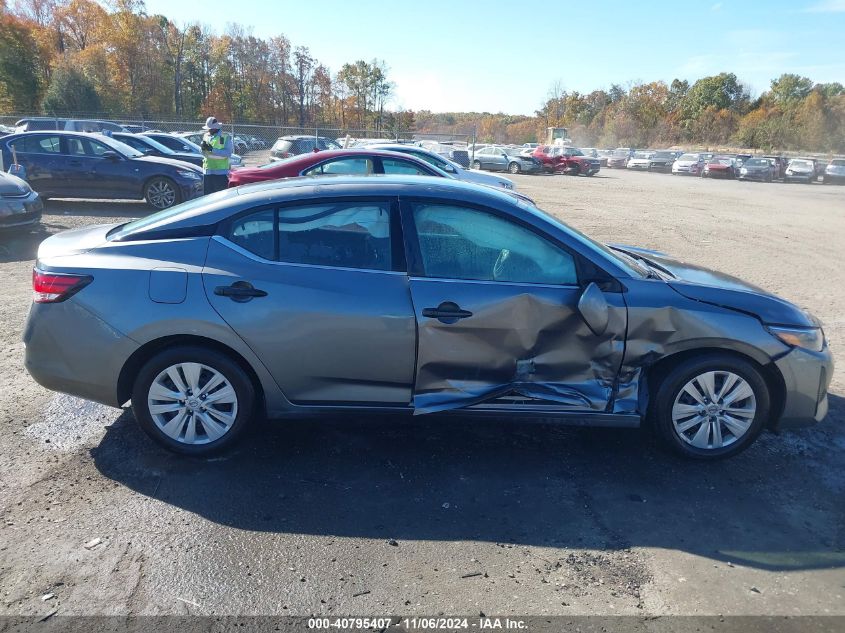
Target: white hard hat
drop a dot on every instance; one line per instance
(212, 124)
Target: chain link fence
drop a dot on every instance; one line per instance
(248, 137)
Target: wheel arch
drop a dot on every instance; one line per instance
(657, 371)
(140, 356)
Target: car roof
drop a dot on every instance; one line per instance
(326, 154)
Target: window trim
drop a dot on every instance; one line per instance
(397, 242)
(417, 163)
(414, 256)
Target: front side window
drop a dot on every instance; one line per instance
(346, 235)
(462, 243)
(357, 166)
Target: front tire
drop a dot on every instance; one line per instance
(192, 400)
(514, 168)
(161, 193)
(710, 407)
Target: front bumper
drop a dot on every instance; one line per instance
(799, 177)
(190, 189)
(806, 376)
(20, 212)
(71, 350)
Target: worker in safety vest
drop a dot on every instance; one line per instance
(216, 150)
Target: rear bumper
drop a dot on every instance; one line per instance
(806, 377)
(69, 349)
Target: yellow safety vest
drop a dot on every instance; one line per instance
(213, 163)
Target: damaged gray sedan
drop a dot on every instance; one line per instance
(399, 294)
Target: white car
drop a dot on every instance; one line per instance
(689, 164)
(640, 160)
(449, 166)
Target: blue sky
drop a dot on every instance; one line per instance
(505, 56)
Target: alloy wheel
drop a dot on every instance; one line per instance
(192, 403)
(714, 410)
(161, 194)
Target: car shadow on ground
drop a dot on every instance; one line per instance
(97, 208)
(778, 506)
(22, 244)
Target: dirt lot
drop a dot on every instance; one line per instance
(426, 516)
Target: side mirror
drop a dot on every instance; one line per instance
(504, 155)
(593, 308)
(113, 156)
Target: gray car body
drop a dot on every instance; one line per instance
(20, 206)
(326, 339)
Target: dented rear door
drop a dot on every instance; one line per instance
(497, 315)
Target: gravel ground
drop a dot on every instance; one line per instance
(425, 516)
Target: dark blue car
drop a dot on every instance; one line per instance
(80, 165)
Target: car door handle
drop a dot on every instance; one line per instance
(240, 291)
(448, 312)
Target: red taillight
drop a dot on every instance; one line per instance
(56, 287)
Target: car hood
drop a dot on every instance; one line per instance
(160, 160)
(483, 179)
(716, 288)
(685, 163)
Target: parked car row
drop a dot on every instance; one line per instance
(63, 164)
(733, 166)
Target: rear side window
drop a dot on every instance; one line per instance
(462, 243)
(37, 144)
(395, 166)
(282, 146)
(256, 233)
(345, 235)
(357, 166)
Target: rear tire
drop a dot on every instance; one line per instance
(719, 424)
(476, 164)
(213, 395)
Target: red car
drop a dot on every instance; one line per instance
(720, 167)
(339, 161)
(566, 160)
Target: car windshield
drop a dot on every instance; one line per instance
(838, 162)
(663, 155)
(721, 160)
(642, 154)
(119, 147)
(620, 152)
(801, 163)
(757, 162)
(154, 143)
(688, 157)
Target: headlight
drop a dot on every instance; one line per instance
(743, 171)
(811, 338)
(190, 175)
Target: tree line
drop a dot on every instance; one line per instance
(79, 56)
(794, 114)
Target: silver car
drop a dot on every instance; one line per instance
(409, 295)
(835, 172)
(449, 166)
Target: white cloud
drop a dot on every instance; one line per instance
(827, 6)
